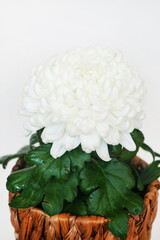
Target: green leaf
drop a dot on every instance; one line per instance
(17, 180)
(148, 149)
(139, 183)
(44, 167)
(32, 189)
(39, 155)
(157, 154)
(138, 138)
(39, 133)
(78, 159)
(24, 150)
(114, 150)
(59, 167)
(33, 140)
(150, 173)
(119, 225)
(31, 196)
(76, 208)
(109, 185)
(21, 153)
(56, 193)
(36, 138)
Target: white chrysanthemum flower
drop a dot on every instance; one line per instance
(87, 96)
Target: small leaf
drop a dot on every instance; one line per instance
(21, 153)
(150, 173)
(148, 149)
(56, 193)
(139, 183)
(33, 140)
(39, 133)
(24, 150)
(157, 154)
(78, 159)
(114, 151)
(17, 180)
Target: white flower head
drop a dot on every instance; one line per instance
(86, 96)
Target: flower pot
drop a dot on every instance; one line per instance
(34, 224)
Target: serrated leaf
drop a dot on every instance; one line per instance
(109, 185)
(56, 193)
(150, 173)
(45, 166)
(138, 138)
(78, 159)
(21, 153)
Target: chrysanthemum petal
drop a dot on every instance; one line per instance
(57, 148)
(102, 129)
(89, 142)
(127, 142)
(113, 137)
(102, 151)
(69, 142)
(52, 133)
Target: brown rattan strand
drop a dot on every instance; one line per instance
(34, 224)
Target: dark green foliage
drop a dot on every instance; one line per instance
(109, 186)
(33, 140)
(150, 173)
(77, 207)
(119, 227)
(21, 153)
(47, 165)
(17, 180)
(157, 154)
(148, 149)
(56, 193)
(82, 184)
(78, 159)
(115, 151)
(46, 173)
(139, 183)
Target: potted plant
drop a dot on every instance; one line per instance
(80, 177)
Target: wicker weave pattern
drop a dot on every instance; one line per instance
(34, 224)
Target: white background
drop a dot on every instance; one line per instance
(33, 30)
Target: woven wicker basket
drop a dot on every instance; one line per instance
(34, 224)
